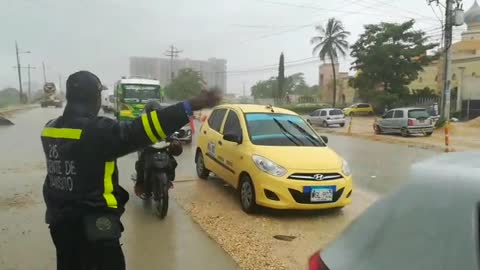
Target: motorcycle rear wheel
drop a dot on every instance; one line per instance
(160, 194)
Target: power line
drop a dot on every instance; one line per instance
(342, 11)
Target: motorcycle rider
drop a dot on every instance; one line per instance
(81, 190)
(175, 147)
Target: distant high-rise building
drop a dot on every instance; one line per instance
(213, 71)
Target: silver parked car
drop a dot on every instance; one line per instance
(405, 121)
(327, 117)
(431, 222)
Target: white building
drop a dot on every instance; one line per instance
(213, 71)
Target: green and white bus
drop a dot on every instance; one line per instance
(131, 95)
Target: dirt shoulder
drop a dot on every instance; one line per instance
(463, 136)
(249, 239)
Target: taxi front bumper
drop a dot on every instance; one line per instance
(284, 193)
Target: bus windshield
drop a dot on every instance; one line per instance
(136, 93)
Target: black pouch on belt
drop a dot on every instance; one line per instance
(102, 226)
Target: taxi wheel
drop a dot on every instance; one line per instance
(247, 195)
(202, 172)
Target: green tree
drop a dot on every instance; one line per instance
(281, 79)
(295, 84)
(265, 89)
(187, 84)
(9, 96)
(389, 56)
(331, 43)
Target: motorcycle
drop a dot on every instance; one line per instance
(159, 172)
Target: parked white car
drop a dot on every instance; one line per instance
(327, 117)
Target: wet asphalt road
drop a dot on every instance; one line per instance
(176, 242)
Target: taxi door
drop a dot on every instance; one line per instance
(231, 147)
(209, 141)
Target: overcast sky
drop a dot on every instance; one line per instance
(100, 35)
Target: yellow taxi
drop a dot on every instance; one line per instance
(359, 109)
(273, 157)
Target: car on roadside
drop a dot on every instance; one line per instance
(273, 158)
(405, 121)
(327, 117)
(359, 109)
(430, 222)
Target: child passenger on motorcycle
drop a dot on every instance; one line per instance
(175, 150)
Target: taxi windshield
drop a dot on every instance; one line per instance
(280, 130)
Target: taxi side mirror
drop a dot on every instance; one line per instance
(324, 139)
(232, 138)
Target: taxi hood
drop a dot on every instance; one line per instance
(301, 158)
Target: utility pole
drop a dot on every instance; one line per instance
(18, 52)
(29, 80)
(59, 83)
(44, 74)
(172, 52)
(447, 59)
(450, 21)
(244, 88)
(460, 89)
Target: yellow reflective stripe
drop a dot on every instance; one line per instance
(108, 185)
(157, 125)
(148, 129)
(62, 133)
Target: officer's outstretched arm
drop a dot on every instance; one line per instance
(119, 139)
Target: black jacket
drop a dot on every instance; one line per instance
(81, 151)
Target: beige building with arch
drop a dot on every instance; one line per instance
(465, 64)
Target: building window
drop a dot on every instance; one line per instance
(454, 77)
(474, 74)
(436, 78)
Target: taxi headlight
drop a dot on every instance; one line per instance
(346, 168)
(268, 166)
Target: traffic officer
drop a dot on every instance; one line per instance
(83, 197)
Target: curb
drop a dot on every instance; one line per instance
(8, 110)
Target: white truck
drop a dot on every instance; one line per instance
(108, 101)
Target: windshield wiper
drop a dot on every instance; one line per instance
(309, 136)
(287, 133)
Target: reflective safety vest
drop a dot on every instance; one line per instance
(81, 153)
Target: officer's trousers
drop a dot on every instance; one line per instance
(75, 252)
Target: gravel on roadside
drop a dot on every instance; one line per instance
(249, 239)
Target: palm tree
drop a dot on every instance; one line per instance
(330, 43)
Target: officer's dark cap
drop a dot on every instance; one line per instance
(83, 86)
